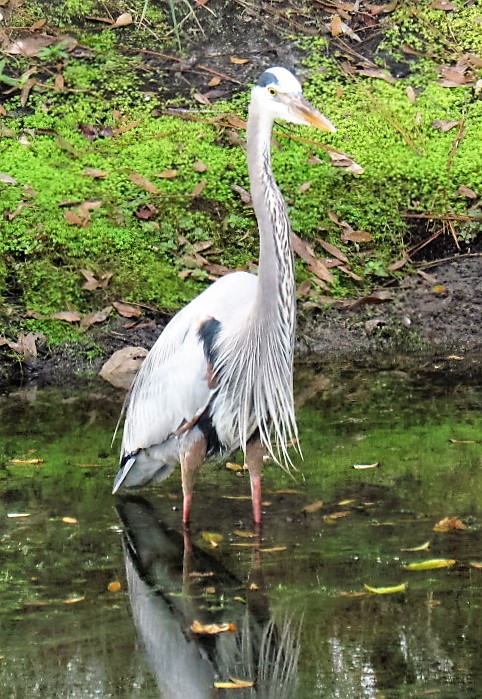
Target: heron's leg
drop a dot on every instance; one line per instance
(254, 462)
(190, 458)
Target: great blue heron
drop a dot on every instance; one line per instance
(220, 376)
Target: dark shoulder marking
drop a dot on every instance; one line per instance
(208, 331)
(267, 78)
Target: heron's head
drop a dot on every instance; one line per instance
(278, 94)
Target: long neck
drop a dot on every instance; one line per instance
(276, 285)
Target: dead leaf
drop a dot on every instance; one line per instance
(26, 462)
(69, 520)
(345, 161)
(304, 187)
(114, 586)
(126, 310)
(7, 179)
(333, 250)
(198, 189)
(214, 82)
(443, 5)
(72, 218)
(146, 211)
(212, 538)
(199, 166)
(123, 20)
(464, 191)
(31, 45)
(444, 125)
(233, 467)
(336, 515)
(95, 173)
(377, 73)
(234, 683)
(18, 515)
(476, 565)
(448, 524)
(126, 127)
(67, 316)
(313, 507)
(210, 629)
(362, 467)
(122, 366)
(386, 590)
(95, 280)
(244, 534)
(144, 183)
(422, 547)
(167, 174)
(411, 94)
(335, 25)
(74, 600)
(26, 346)
(316, 266)
(238, 61)
(95, 317)
(433, 564)
(351, 236)
(243, 193)
(202, 99)
(274, 549)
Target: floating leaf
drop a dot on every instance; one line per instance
(74, 600)
(362, 467)
(313, 507)
(234, 684)
(233, 467)
(18, 515)
(336, 515)
(70, 520)
(423, 547)
(244, 534)
(344, 503)
(386, 590)
(432, 564)
(27, 462)
(449, 524)
(274, 549)
(210, 629)
(212, 538)
(476, 565)
(114, 586)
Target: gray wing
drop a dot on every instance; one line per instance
(173, 386)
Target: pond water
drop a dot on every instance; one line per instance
(98, 594)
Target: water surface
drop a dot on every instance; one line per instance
(99, 593)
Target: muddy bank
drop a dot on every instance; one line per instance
(431, 317)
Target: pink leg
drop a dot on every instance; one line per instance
(254, 462)
(190, 461)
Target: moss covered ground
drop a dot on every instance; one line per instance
(105, 168)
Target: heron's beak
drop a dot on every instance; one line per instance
(307, 114)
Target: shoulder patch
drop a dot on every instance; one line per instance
(267, 78)
(208, 331)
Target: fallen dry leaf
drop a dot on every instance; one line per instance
(464, 191)
(114, 586)
(313, 507)
(362, 467)
(74, 600)
(377, 73)
(95, 317)
(126, 310)
(422, 547)
(238, 61)
(123, 20)
(94, 280)
(198, 166)
(444, 125)
(144, 183)
(210, 629)
(198, 189)
(18, 515)
(336, 515)
(433, 564)
(386, 590)
(316, 266)
(27, 462)
(95, 173)
(243, 534)
(448, 524)
(7, 179)
(274, 549)
(120, 369)
(67, 316)
(234, 684)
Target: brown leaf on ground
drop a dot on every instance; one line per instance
(94, 280)
(198, 166)
(126, 310)
(25, 346)
(351, 236)
(448, 524)
(144, 183)
(243, 193)
(7, 179)
(95, 173)
(464, 191)
(67, 316)
(238, 61)
(90, 131)
(95, 317)
(31, 45)
(120, 369)
(378, 73)
(345, 161)
(196, 192)
(146, 212)
(316, 266)
(333, 250)
(167, 174)
(443, 5)
(123, 20)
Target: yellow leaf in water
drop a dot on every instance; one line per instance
(243, 534)
(243, 544)
(234, 467)
(212, 538)
(432, 564)
(27, 462)
(476, 565)
(274, 549)
(234, 684)
(253, 587)
(423, 547)
(210, 590)
(18, 515)
(114, 586)
(210, 629)
(69, 520)
(449, 524)
(386, 590)
(285, 491)
(336, 515)
(362, 467)
(313, 507)
(239, 599)
(344, 503)
(74, 600)
(236, 497)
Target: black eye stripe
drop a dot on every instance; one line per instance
(267, 78)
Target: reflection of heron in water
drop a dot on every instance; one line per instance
(170, 585)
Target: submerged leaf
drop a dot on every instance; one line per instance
(423, 547)
(212, 538)
(432, 564)
(313, 507)
(386, 590)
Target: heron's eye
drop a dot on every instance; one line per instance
(272, 91)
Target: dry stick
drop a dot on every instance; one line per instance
(452, 258)
(206, 69)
